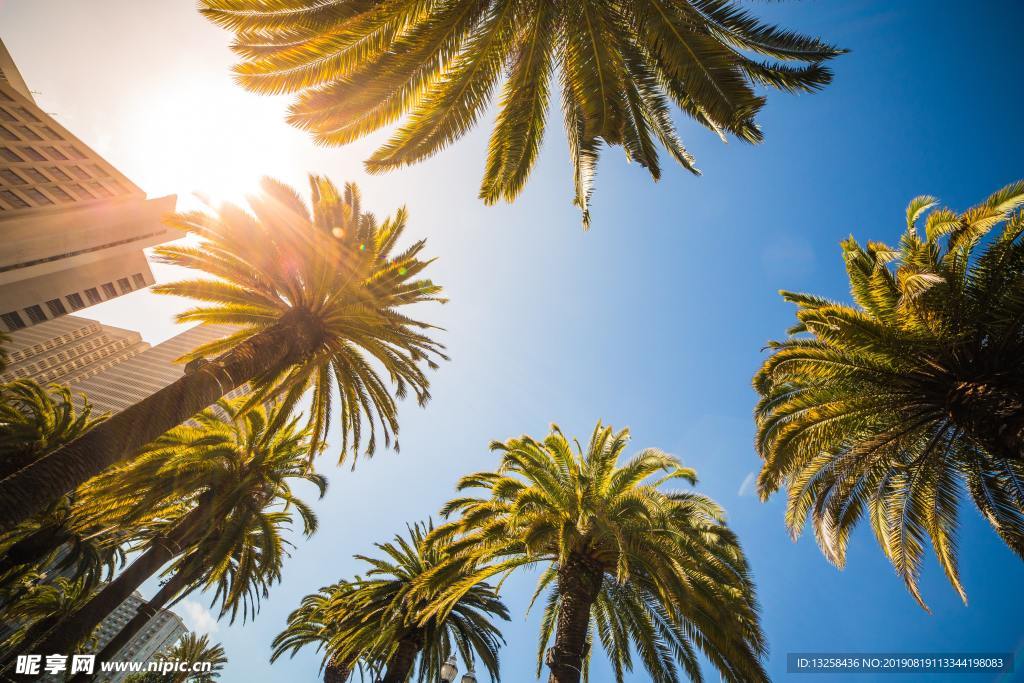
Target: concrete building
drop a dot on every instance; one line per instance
(145, 373)
(67, 350)
(72, 228)
(159, 634)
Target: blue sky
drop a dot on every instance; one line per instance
(655, 319)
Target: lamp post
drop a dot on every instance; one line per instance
(449, 670)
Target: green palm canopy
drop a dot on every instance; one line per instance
(435, 66)
(384, 621)
(891, 407)
(628, 564)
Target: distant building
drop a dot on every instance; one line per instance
(160, 633)
(67, 350)
(72, 228)
(145, 373)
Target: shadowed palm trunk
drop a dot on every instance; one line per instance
(401, 663)
(146, 611)
(579, 584)
(336, 672)
(34, 547)
(32, 488)
(991, 416)
(73, 630)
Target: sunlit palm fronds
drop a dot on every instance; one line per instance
(894, 408)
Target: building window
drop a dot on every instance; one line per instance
(60, 194)
(28, 115)
(56, 153)
(35, 314)
(7, 133)
(13, 320)
(80, 172)
(57, 173)
(56, 307)
(81, 192)
(75, 301)
(36, 175)
(7, 116)
(14, 200)
(51, 133)
(93, 296)
(124, 285)
(97, 188)
(11, 177)
(28, 133)
(33, 154)
(9, 154)
(37, 196)
(140, 281)
(109, 291)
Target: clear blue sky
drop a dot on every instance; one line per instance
(653, 320)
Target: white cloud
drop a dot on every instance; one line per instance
(747, 487)
(197, 618)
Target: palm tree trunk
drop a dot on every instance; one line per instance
(336, 672)
(34, 547)
(73, 630)
(116, 440)
(991, 415)
(579, 583)
(146, 611)
(401, 663)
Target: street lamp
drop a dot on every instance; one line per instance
(469, 677)
(449, 670)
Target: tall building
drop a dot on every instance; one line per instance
(159, 634)
(72, 228)
(67, 350)
(145, 373)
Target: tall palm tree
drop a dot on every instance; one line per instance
(360, 65)
(626, 561)
(78, 536)
(317, 293)
(314, 623)
(891, 406)
(42, 607)
(382, 621)
(230, 541)
(191, 648)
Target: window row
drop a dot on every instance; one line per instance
(14, 321)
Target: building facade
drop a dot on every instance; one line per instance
(160, 633)
(67, 350)
(72, 227)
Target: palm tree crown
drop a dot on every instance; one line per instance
(888, 407)
(383, 620)
(360, 65)
(331, 269)
(628, 562)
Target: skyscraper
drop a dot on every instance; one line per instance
(162, 631)
(72, 228)
(67, 350)
(145, 373)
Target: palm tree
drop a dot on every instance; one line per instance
(626, 562)
(191, 648)
(381, 620)
(891, 406)
(313, 624)
(78, 536)
(230, 541)
(42, 607)
(317, 294)
(435, 66)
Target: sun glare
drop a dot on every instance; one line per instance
(206, 138)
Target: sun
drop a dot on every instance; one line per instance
(207, 138)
